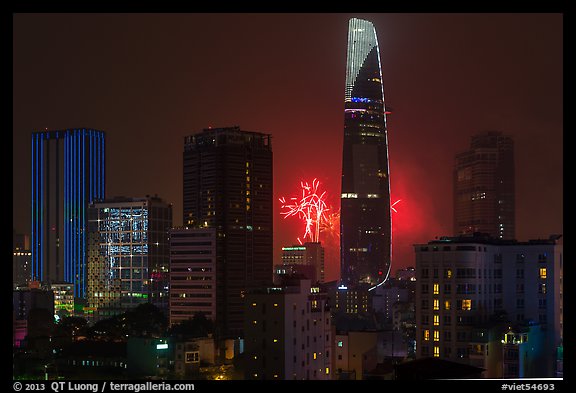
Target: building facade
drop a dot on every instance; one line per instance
(365, 221)
(192, 273)
(228, 187)
(484, 196)
(21, 261)
(469, 287)
(308, 256)
(288, 333)
(354, 300)
(128, 254)
(63, 299)
(68, 172)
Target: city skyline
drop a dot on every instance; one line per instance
(446, 76)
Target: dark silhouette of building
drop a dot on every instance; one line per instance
(68, 171)
(433, 368)
(484, 187)
(365, 226)
(228, 186)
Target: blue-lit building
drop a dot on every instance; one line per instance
(365, 223)
(68, 172)
(128, 254)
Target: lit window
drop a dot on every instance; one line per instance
(436, 289)
(275, 304)
(327, 370)
(436, 351)
(541, 288)
(466, 304)
(436, 304)
(314, 355)
(253, 304)
(436, 335)
(275, 340)
(254, 322)
(436, 320)
(426, 335)
(448, 273)
(340, 343)
(543, 272)
(447, 305)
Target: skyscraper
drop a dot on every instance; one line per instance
(484, 187)
(128, 254)
(365, 223)
(68, 169)
(228, 186)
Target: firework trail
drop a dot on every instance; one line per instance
(310, 207)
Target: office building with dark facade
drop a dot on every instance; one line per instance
(365, 223)
(68, 172)
(228, 186)
(484, 187)
(128, 250)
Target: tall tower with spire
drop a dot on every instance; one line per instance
(365, 222)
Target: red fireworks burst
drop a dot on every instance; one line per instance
(310, 207)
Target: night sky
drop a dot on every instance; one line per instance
(150, 79)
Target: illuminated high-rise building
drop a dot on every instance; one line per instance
(365, 223)
(484, 187)
(228, 186)
(128, 252)
(68, 169)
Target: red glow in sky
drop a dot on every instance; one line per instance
(148, 80)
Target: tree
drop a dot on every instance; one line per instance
(71, 326)
(197, 326)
